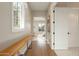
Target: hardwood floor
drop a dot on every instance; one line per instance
(39, 51)
(39, 47)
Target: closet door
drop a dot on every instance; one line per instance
(73, 28)
(61, 28)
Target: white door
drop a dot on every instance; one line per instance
(73, 28)
(61, 28)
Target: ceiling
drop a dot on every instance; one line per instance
(39, 6)
(68, 4)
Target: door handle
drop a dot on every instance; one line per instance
(68, 33)
(53, 33)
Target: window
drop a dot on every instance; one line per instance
(18, 16)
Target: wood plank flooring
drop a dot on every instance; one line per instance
(40, 51)
(39, 47)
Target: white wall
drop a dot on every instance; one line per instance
(7, 37)
(39, 14)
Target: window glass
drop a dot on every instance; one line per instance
(18, 16)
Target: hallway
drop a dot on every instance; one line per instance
(39, 29)
(23, 21)
(39, 47)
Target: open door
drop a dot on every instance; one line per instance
(61, 28)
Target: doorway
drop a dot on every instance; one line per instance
(39, 28)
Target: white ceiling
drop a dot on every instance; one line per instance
(39, 6)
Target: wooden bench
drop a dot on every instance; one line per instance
(10, 51)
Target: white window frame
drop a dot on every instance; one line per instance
(21, 17)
